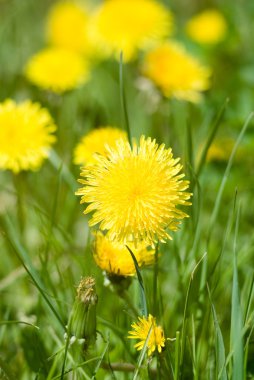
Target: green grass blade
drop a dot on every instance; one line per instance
(141, 285)
(184, 323)
(142, 354)
(177, 356)
(5, 371)
(17, 323)
(100, 360)
(225, 177)
(211, 136)
(248, 304)
(23, 257)
(58, 164)
(220, 369)
(236, 320)
(155, 279)
(123, 99)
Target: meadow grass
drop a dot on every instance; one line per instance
(201, 286)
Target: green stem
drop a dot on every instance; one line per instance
(141, 284)
(123, 100)
(19, 188)
(155, 279)
(177, 356)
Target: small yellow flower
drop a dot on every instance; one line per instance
(115, 258)
(175, 72)
(128, 25)
(25, 135)
(67, 27)
(95, 142)
(148, 333)
(57, 70)
(134, 192)
(208, 27)
(220, 149)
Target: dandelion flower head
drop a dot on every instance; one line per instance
(57, 70)
(207, 27)
(134, 192)
(130, 25)
(95, 142)
(147, 332)
(115, 258)
(67, 27)
(25, 135)
(175, 72)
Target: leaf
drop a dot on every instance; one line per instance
(236, 338)
(221, 373)
(141, 285)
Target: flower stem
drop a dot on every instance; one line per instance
(123, 100)
(19, 188)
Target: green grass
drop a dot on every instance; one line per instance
(201, 287)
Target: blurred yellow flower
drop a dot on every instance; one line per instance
(175, 72)
(67, 27)
(134, 192)
(94, 142)
(220, 149)
(128, 25)
(115, 258)
(207, 27)
(25, 135)
(148, 333)
(57, 70)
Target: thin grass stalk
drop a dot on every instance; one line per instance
(141, 285)
(211, 137)
(142, 354)
(123, 100)
(155, 279)
(236, 339)
(225, 177)
(184, 324)
(177, 356)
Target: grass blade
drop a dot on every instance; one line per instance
(225, 177)
(142, 353)
(23, 257)
(236, 320)
(184, 325)
(177, 356)
(141, 285)
(123, 99)
(211, 137)
(220, 369)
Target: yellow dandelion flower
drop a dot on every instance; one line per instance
(208, 27)
(175, 72)
(128, 25)
(25, 135)
(115, 258)
(94, 142)
(134, 192)
(148, 333)
(220, 150)
(67, 27)
(57, 70)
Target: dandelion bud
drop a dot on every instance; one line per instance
(82, 324)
